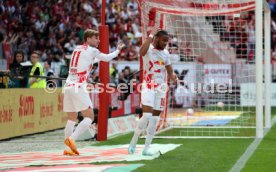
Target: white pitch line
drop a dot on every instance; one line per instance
(249, 151)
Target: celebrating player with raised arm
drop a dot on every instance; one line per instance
(156, 62)
(76, 98)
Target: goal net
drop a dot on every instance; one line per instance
(212, 49)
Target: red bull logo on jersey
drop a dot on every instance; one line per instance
(160, 63)
(156, 64)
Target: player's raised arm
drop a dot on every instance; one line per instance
(145, 46)
(108, 57)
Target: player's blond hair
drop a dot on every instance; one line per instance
(89, 33)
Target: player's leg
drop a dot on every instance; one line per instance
(159, 106)
(88, 117)
(141, 126)
(68, 107)
(68, 131)
(151, 128)
(82, 127)
(69, 128)
(147, 100)
(81, 103)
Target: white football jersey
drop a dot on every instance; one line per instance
(82, 61)
(154, 64)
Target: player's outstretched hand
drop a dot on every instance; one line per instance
(120, 46)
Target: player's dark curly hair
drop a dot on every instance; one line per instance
(162, 33)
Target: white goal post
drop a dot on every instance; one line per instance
(214, 43)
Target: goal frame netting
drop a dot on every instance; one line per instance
(262, 14)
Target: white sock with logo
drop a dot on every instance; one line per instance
(141, 125)
(69, 128)
(151, 130)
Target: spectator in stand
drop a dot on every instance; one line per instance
(133, 4)
(132, 53)
(32, 22)
(110, 15)
(37, 70)
(122, 90)
(273, 33)
(49, 73)
(136, 29)
(183, 96)
(250, 41)
(174, 54)
(16, 71)
(241, 41)
(185, 50)
(56, 63)
(113, 71)
(121, 78)
(272, 5)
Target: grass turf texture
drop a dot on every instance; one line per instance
(264, 158)
(207, 155)
(194, 155)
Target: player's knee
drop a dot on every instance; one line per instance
(150, 132)
(91, 116)
(140, 127)
(88, 114)
(72, 116)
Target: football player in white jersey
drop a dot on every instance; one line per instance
(76, 98)
(156, 64)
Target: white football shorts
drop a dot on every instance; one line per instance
(154, 98)
(76, 99)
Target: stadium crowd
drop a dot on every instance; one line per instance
(55, 27)
(240, 32)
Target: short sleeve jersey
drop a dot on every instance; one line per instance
(154, 65)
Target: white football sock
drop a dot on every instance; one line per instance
(141, 125)
(83, 125)
(69, 128)
(151, 130)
